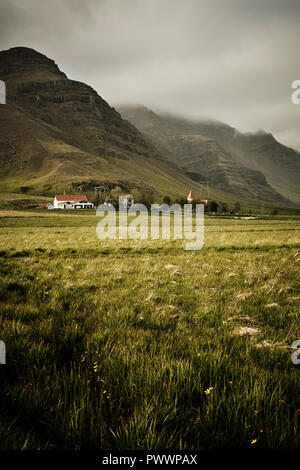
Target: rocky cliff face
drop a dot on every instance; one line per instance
(58, 132)
(35, 82)
(279, 164)
(246, 165)
(22, 63)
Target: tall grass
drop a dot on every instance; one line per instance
(107, 347)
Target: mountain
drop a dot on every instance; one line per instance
(279, 164)
(253, 166)
(58, 133)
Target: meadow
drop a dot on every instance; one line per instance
(119, 344)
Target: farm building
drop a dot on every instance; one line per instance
(72, 201)
(190, 197)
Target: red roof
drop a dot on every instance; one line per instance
(191, 195)
(71, 197)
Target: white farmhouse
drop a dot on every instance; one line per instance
(72, 201)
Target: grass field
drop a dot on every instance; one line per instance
(143, 345)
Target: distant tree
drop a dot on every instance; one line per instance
(114, 195)
(181, 201)
(95, 199)
(194, 203)
(116, 192)
(137, 195)
(146, 198)
(166, 200)
(236, 207)
(274, 211)
(213, 206)
(223, 207)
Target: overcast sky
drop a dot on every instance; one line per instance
(230, 60)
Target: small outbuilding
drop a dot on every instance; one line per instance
(48, 205)
(190, 197)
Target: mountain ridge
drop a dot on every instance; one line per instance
(60, 134)
(65, 130)
(217, 152)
